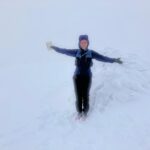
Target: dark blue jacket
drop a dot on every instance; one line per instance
(82, 69)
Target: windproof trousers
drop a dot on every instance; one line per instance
(82, 85)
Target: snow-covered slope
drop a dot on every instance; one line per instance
(37, 110)
(38, 113)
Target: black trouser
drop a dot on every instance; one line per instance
(82, 86)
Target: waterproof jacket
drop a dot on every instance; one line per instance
(83, 59)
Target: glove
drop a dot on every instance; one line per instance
(119, 61)
(49, 45)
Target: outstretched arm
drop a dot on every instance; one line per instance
(69, 52)
(100, 57)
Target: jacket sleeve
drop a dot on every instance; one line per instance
(100, 57)
(69, 52)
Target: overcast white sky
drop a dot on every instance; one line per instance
(25, 25)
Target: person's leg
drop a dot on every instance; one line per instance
(78, 93)
(87, 81)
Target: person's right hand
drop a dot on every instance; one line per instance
(49, 45)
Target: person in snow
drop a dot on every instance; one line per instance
(82, 77)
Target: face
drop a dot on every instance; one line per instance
(84, 44)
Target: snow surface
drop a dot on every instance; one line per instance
(37, 110)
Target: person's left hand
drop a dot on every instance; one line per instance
(119, 61)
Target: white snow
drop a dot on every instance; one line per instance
(37, 100)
